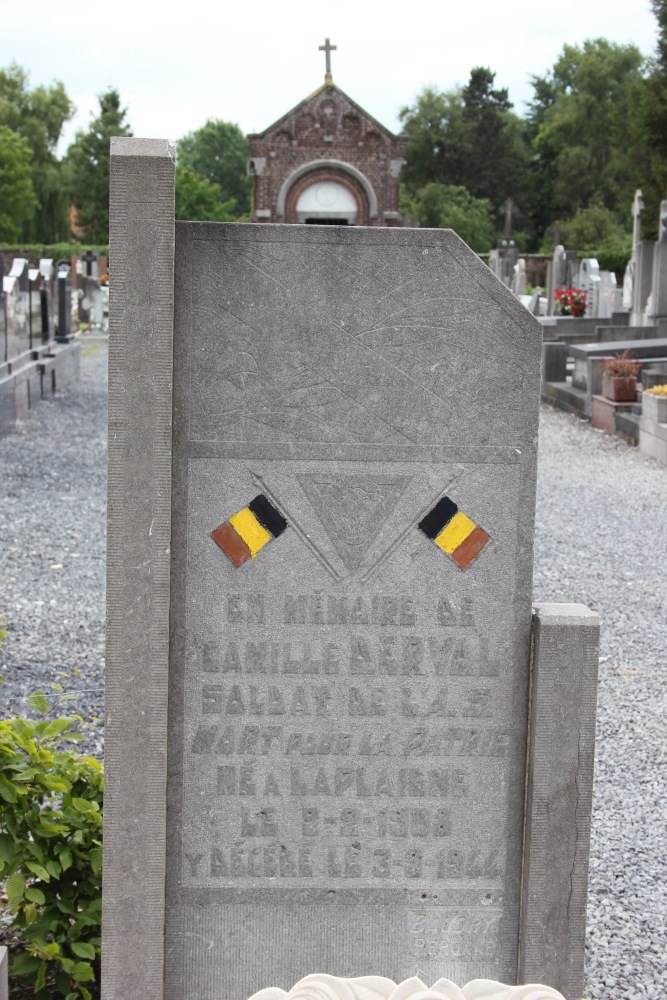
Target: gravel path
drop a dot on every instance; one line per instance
(601, 539)
(52, 546)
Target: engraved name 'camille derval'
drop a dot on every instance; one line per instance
(380, 635)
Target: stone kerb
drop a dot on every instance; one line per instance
(319, 609)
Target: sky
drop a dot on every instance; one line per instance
(176, 65)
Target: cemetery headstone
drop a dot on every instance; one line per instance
(659, 280)
(35, 282)
(519, 277)
(18, 306)
(89, 264)
(608, 295)
(555, 276)
(629, 275)
(588, 280)
(643, 283)
(90, 303)
(46, 296)
(15, 339)
(64, 282)
(319, 751)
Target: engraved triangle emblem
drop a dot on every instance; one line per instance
(353, 509)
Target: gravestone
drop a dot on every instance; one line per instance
(46, 298)
(64, 286)
(629, 275)
(659, 277)
(519, 277)
(588, 280)
(17, 286)
(35, 283)
(88, 264)
(643, 282)
(608, 301)
(319, 754)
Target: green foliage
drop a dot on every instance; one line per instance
(579, 122)
(593, 227)
(218, 152)
(198, 200)
(88, 160)
(450, 206)
(612, 260)
(647, 140)
(17, 194)
(35, 251)
(51, 849)
(436, 144)
(466, 137)
(38, 115)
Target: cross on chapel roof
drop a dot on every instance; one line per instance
(328, 48)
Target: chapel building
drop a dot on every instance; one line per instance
(327, 161)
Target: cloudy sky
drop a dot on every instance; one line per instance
(176, 65)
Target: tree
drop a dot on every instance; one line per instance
(580, 122)
(436, 139)
(467, 137)
(218, 152)
(496, 149)
(594, 228)
(38, 116)
(88, 158)
(648, 143)
(198, 200)
(17, 195)
(448, 206)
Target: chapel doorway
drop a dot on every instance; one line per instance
(327, 203)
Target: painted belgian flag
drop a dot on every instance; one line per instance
(248, 531)
(454, 532)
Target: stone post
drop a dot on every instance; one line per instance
(559, 790)
(139, 528)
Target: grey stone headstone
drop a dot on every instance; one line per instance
(338, 781)
(327, 691)
(64, 285)
(588, 280)
(643, 282)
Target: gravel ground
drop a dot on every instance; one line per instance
(52, 547)
(601, 539)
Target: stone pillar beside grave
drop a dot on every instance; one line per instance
(659, 277)
(555, 277)
(554, 361)
(64, 285)
(642, 283)
(320, 638)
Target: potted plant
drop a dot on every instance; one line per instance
(654, 404)
(619, 378)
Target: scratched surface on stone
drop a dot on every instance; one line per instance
(348, 707)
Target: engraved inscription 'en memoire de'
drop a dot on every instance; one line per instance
(354, 469)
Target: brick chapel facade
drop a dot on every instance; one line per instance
(327, 161)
